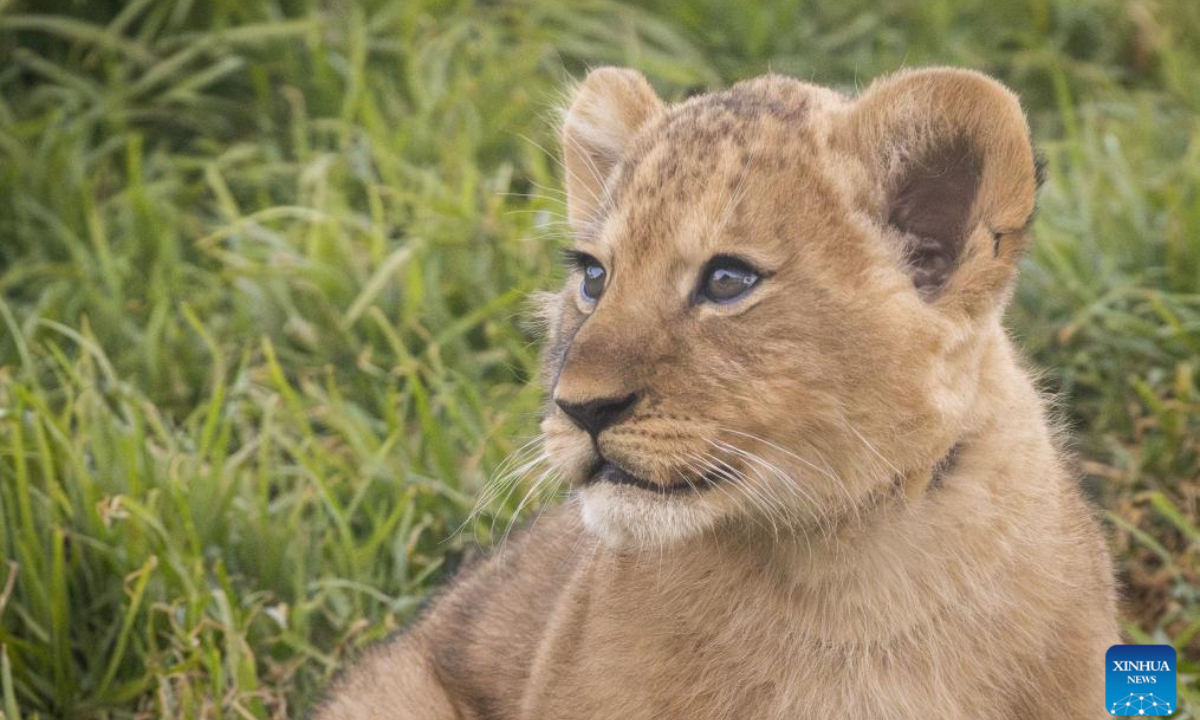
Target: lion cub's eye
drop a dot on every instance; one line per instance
(594, 277)
(726, 279)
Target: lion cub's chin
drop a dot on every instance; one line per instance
(626, 518)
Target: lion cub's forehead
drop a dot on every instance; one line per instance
(691, 174)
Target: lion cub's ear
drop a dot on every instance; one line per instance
(607, 110)
(953, 177)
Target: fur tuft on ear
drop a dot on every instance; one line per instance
(955, 179)
(606, 111)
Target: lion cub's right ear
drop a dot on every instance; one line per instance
(607, 110)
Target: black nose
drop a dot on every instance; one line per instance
(596, 415)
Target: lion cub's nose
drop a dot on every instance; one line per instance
(597, 414)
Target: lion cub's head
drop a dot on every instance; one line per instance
(779, 295)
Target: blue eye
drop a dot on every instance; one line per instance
(726, 279)
(594, 277)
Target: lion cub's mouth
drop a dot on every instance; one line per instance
(608, 471)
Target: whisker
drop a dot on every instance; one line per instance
(510, 469)
(549, 474)
(867, 443)
(838, 482)
(786, 483)
(734, 477)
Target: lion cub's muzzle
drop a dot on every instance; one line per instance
(599, 414)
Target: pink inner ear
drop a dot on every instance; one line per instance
(931, 205)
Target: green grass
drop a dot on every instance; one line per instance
(263, 268)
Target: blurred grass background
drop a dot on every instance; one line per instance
(263, 265)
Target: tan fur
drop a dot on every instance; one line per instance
(830, 571)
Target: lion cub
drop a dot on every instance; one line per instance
(811, 477)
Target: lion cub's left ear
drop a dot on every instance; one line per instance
(951, 177)
(607, 110)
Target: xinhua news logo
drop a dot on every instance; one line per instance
(1140, 679)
